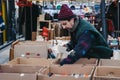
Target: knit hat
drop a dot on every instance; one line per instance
(65, 13)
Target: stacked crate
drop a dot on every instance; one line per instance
(107, 70)
(21, 48)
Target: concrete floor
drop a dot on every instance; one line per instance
(4, 55)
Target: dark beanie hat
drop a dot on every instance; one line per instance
(65, 13)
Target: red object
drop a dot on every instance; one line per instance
(22, 3)
(27, 53)
(110, 25)
(45, 32)
(38, 54)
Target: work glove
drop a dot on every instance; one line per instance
(68, 60)
(71, 58)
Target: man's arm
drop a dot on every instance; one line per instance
(84, 43)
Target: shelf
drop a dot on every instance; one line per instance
(41, 24)
(39, 30)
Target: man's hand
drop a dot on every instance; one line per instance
(67, 60)
(71, 58)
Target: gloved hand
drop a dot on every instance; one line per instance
(69, 60)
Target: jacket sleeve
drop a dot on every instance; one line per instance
(84, 43)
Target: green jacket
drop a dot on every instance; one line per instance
(99, 48)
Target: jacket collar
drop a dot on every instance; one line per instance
(76, 22)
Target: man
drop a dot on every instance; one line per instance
(85, 41)
(112, 13)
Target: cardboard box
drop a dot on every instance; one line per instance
(34, 34)
(28, 51)
(109, 62)
(11, 55)
(86, 61)
(10, 72)
(107, 73)
(83, 61)
(65, 73)
(23, 42)
(14, 43)
(28, 42)
(31, 49)
(32, 61)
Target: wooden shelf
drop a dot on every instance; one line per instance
(39, 30)
(41, 24)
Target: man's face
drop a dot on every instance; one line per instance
(67, 24)
(115, 2)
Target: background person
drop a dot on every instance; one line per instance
(112, 13)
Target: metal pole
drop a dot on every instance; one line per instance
(103, 19)
(8, 20)
(43, 4)
(118, 15)
(1, 33)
